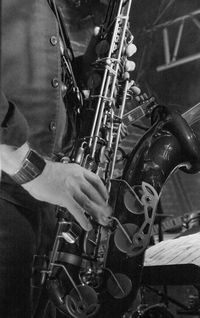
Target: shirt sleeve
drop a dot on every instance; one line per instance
(14, 129)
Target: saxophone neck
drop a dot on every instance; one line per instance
(176, 125)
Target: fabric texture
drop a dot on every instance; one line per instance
(23, 233)
(31, 74)
(32, 109)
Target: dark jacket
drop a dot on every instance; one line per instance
(32, 107)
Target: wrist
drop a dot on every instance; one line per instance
(22, 164)
(32, 166)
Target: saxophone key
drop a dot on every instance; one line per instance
(72, 233)
(83, 303)
(119, 285)
(131, 49)
(124, 235)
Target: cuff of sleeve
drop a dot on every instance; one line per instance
(14, 127)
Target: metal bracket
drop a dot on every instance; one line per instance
(171, 58)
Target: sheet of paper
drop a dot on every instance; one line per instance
(182, 250)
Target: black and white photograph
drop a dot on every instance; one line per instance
(100, 158)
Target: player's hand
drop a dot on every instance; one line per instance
(75, 188)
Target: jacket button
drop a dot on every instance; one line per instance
(55, 82)
(52, 126)
(53, 40)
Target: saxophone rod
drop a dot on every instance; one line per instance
(104, 88)
(100, 108)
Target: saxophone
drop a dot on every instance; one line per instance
(97, 274)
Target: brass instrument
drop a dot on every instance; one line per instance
(97, 274)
